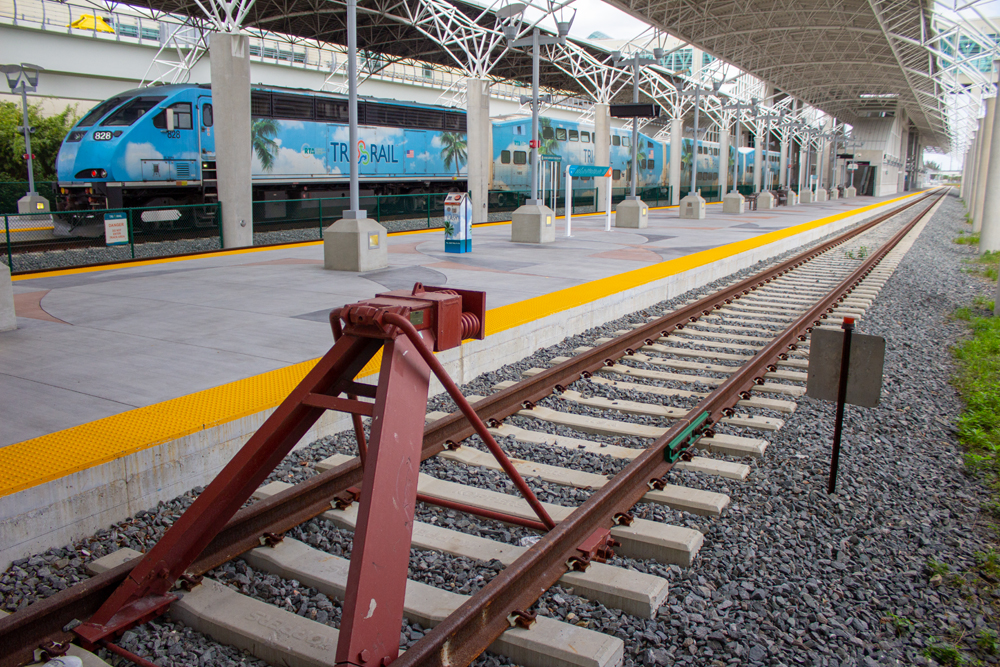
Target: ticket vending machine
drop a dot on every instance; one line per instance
(457, 222)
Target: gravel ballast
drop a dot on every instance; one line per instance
(788, 575)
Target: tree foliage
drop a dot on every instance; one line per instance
(45, 141)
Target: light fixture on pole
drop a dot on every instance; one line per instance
(532, 222)
(23, 79)
(696, 92)
(732, 105)
(768, 116)
(635, 62)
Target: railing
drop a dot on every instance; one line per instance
(40, 241)
(129, 25)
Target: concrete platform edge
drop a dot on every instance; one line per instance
(58, 512)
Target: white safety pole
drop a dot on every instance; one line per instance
(607, 220)
(569, 203)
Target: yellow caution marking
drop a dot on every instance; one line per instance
(49, 457)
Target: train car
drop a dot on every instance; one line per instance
(568, 142)
(127, 152)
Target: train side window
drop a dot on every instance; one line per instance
(335, 110)
(651, 164)
(520, 157)
(616, 140)
(135, 109)
(574, 135)
(626, 142)
(642, 163)
(207, 118)
(616, 175)
(547, 133)
(182, 117)
(560, 134)
(585, 137)
(504, 157)
(519, 129)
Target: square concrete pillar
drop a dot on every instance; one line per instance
(806, 196)
(602, 151)
(230, 66)
(820, 194)
(693, 207)
(765, 201)
(355, 244)
(850, 192)
(734, 203)
(533, 223)
(8, 321)
(793, 197)
(632, 213)
(834, 193)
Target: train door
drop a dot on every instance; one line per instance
(206, 137)
(206, 148)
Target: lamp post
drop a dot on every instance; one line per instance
(636, 62)
(532, 222)
(768, 116)
(23, 79)
(696, 92)
(738, 107)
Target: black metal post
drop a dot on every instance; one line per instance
(838, 427)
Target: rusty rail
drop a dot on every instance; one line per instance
(477, 623)
(43, 622)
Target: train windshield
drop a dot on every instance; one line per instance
(98, 112)
(133, 110)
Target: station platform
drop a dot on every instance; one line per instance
(129, 384)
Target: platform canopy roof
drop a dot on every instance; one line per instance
(438, 32)
(850, 58)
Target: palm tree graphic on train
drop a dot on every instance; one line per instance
(548, 144)
(687, 151)
(262, 134)
(455, 150)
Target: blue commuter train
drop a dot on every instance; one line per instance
(156, 147)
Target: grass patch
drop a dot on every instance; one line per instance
(978, 381)
(946, 654)
(986, 265)
(967, 239)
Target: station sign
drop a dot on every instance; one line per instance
(116, 228)
(635, 111)
(588, 171)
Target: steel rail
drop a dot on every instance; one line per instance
(469, 630)
(43, 621)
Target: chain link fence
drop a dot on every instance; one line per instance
(56, 240)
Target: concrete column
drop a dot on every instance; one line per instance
(984, 164)
(758, 157)
(723, 160)
(230, 66)
(989, 181)
(676, 139)
(975, 167)
(8, 321)
(602, 150)
(965, 173)
(477, 105)
(783, 164)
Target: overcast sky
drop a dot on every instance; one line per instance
(595, 15)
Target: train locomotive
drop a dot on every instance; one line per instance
(155, 147)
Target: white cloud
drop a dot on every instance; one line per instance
(289, 162)
(293, 125)
(143, 151)
(424, 156)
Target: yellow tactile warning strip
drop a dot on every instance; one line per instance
(43, 459)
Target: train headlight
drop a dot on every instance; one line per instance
(92, 173)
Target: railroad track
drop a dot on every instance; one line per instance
(717, 374)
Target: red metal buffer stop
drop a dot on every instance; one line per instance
(408, 325)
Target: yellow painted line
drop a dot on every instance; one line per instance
(31, 229)
(49, 457)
